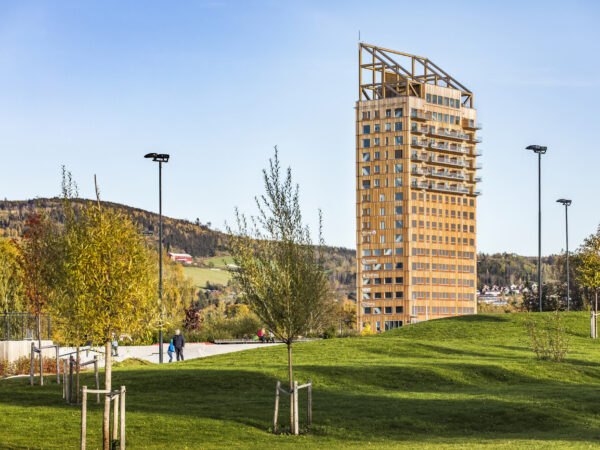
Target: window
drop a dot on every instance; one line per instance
(398, 224)
(376, 141)
(398, 168)
(397, 154)
(366, 114)
(366, 252)
(388, 309)
(398, 181)
(382, 211)
(399, 265)
(376, 169)
(399, 280)
(366, 157)
(366, 170)
(377, 252)
(388, 126)
(376, 310)
(366, 281)
(381, 197)
(391, 324)
(377, 266)
(366, 129)
(376, 127)
(387, 252)
(398, 196)
(387, 266)
(366, 143)
(382, 225)
(367, 310)
(388, 113)
(399, 294)
(397, 140)
(398, 112)
(399, 309)
(452, 103)
(399, 251)
(376, 155)
(398, 238)
(377, 295)
(387, 295)
(428, 96)
(388, 280)
(378, 324)
(366, 184)
(398, 126)
(398, 210)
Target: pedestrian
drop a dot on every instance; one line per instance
(261, 335)
(179, 344)
(114, 346)
(271, 337)
(171, 350)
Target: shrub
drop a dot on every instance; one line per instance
(5, 368)
(329, 332)
(549, 339)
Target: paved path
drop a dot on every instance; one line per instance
(150, 352)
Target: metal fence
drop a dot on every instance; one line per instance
(23, 326)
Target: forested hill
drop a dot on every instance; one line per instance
(200, 241)
(179, 235)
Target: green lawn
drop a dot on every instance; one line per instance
(201, 275)
(220, 261)
(453, 382)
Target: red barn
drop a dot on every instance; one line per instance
(180, 257)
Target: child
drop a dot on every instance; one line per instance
(171, 350)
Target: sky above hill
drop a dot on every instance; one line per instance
(95, 85)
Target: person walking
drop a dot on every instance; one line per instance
(171, 350)
(179, 344)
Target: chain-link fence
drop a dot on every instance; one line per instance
(23, 326)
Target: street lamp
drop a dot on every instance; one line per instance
(159, 158)
(540, 150)
(566, 203)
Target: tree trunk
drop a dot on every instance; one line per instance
(107, 386)
(39, 330)
(291, 376)
(77, 375)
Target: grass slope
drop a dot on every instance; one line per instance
(201, 276)
(451, 383)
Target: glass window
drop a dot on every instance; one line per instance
(398, 196)
(366, 129)
(366, 143)
(377, 127)
(398, 210)
(434, 115)
(377, 141)
(452, 103)
(398, 112)
(399, 251)
(398, 181)
(366, 170)
(388, 113)
(398, 238)
(387, 252)
(387, 266)
(377, 266)
(398, 140)
(398, 224)
(428, 96)
(368, 310)
(434, 100)
(399, 280)
(377, 310)
(397, 154)
(376, 155)
(382, 211)
(399, 265)
(398, 126)
(381, 197)
(376, 183)
(366, 157)
(366, 252)
(388, 309)
(388, 126)
(399, 309)
(366, 184)
(398, 168)
(377, 252)
(446, 101)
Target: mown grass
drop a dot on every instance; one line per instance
(200, 275)
(447, 383)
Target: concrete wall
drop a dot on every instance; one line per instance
(13, 350)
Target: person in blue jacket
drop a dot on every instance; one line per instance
(171, 350)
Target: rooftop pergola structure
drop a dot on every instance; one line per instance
(389, 78)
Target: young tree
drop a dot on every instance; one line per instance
(280, 272)
(107, 284)
(588, 268)
(11, 277)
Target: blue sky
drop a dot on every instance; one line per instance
(96, 85)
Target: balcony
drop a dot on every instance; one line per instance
(476, 139)
(476, 152)
(417, 114)
(476, 166)
(446, 174)
(449, 161)
(476, 179)
(415, 129)
(418, 144)
(443, 187)
(447, 134)
(418, 171)
(471, 124)
(416, 157)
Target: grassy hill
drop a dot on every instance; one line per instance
(201, 275)
(448, 383)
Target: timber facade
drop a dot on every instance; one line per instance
(416, 191)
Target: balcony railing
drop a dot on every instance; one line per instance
(420, 115)
(477, 179)
(476, 139)
(417, 171)
(445, 174)
(471, 124)
(418, 130)
(477, 152)
(419, 144)
(443, 187)
(447, 134)
(416, 157)
(451, 162)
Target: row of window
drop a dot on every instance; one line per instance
(442, 310)
(440, 198)
(398, 197)
(378, 281)
(366, 184)
(396, 168)
(449, 227)
(380, 295)
(382, 252)
(366, 115)
(396, 210)
(366, 156)
(384, 266)
(443, 282)
(386, 310)
(397, 224)
(443, 101)
(444, 253)
(449, 239)
(443, 267)
(443, 296)
(438, 212)
(398, 140)
(366, 129)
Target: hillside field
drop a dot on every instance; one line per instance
(200, 275)
(447, 383)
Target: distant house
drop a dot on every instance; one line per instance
(180, 257)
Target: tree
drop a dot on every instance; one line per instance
(107, 284)
(11, 277)
(280, 272)
(588, 267)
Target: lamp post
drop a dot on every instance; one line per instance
(540, 150)
(567, 203)
(160, 158)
